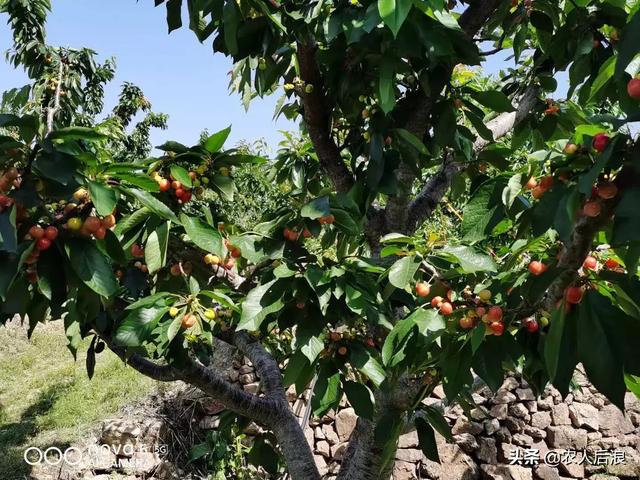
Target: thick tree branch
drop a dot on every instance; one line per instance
(161, 373)
(397, 211)
(438, 185)
(264, 363)
(318, 120)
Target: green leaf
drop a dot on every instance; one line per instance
(327, 392)
(91, 266)
(629, 45)
(103, 197)
(412, 140)
(438, 422)
(394, 13)
(599, 348)
(258, 304)
(362, 360)
(604, 75)
(317, 208)
(8, 231)
(427, 440)
(155, 252)
(174, 14)
(224, 186)
(203, 235)
(155, 205)
(470, 261)
(386, 88)
(360, 398)
(495, 100)
(402, 272)
(138, 325)
(483, 211)
(214, 143)
(182, 175)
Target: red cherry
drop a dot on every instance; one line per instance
(592, 209)
(537, 268)
(607, 190)
(497, 328)
(611, 264)
(36, 232)
(600, 142)
(466, 323)
(446, 309)
(186, 196)
(574, 295)
(100, 233)
(43, 244)
(176, 185)
(180, 193)
(436, 302)
(590, 263)
(633, 88)
(51, 232)
(164, 184)
(422, 289)
(495, 314)
(531, 324)
(137, 251)
(546, 183)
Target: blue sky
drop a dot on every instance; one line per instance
(180, 76)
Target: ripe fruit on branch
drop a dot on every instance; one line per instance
(300, 305)
(495, 314)
(164, 184)
(497, 328)
(574, 295)
(633, 88)
(537, 268)
(109, 221)
(423, 289)
(176, 185)
(230, 263)
(611, 264)
(446, 309)
(531, 324)
(592, 209)
(466, 323)
(531, 184)
(600, 142)
(607, 190)
(590, 263)
(335, 336)
(100, 234)
(343, 350)
(481, 311)
(436, 302)
(36, 232)
(51, 232)
(92, 224)
(43, 244)
(538, 192)
(546, 182)
(175, 270)
(327, 220)
(188, 321)
(137, 251)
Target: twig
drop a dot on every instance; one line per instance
(56, 104)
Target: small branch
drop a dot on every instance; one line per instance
(318, 122)
(148, 368)
(437, 186)
(52, 111)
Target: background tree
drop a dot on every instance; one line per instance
(335, 284)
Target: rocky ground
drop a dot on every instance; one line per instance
(510, 435)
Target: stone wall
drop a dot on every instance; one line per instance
(508, 427)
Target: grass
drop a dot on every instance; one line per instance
(46, 398)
